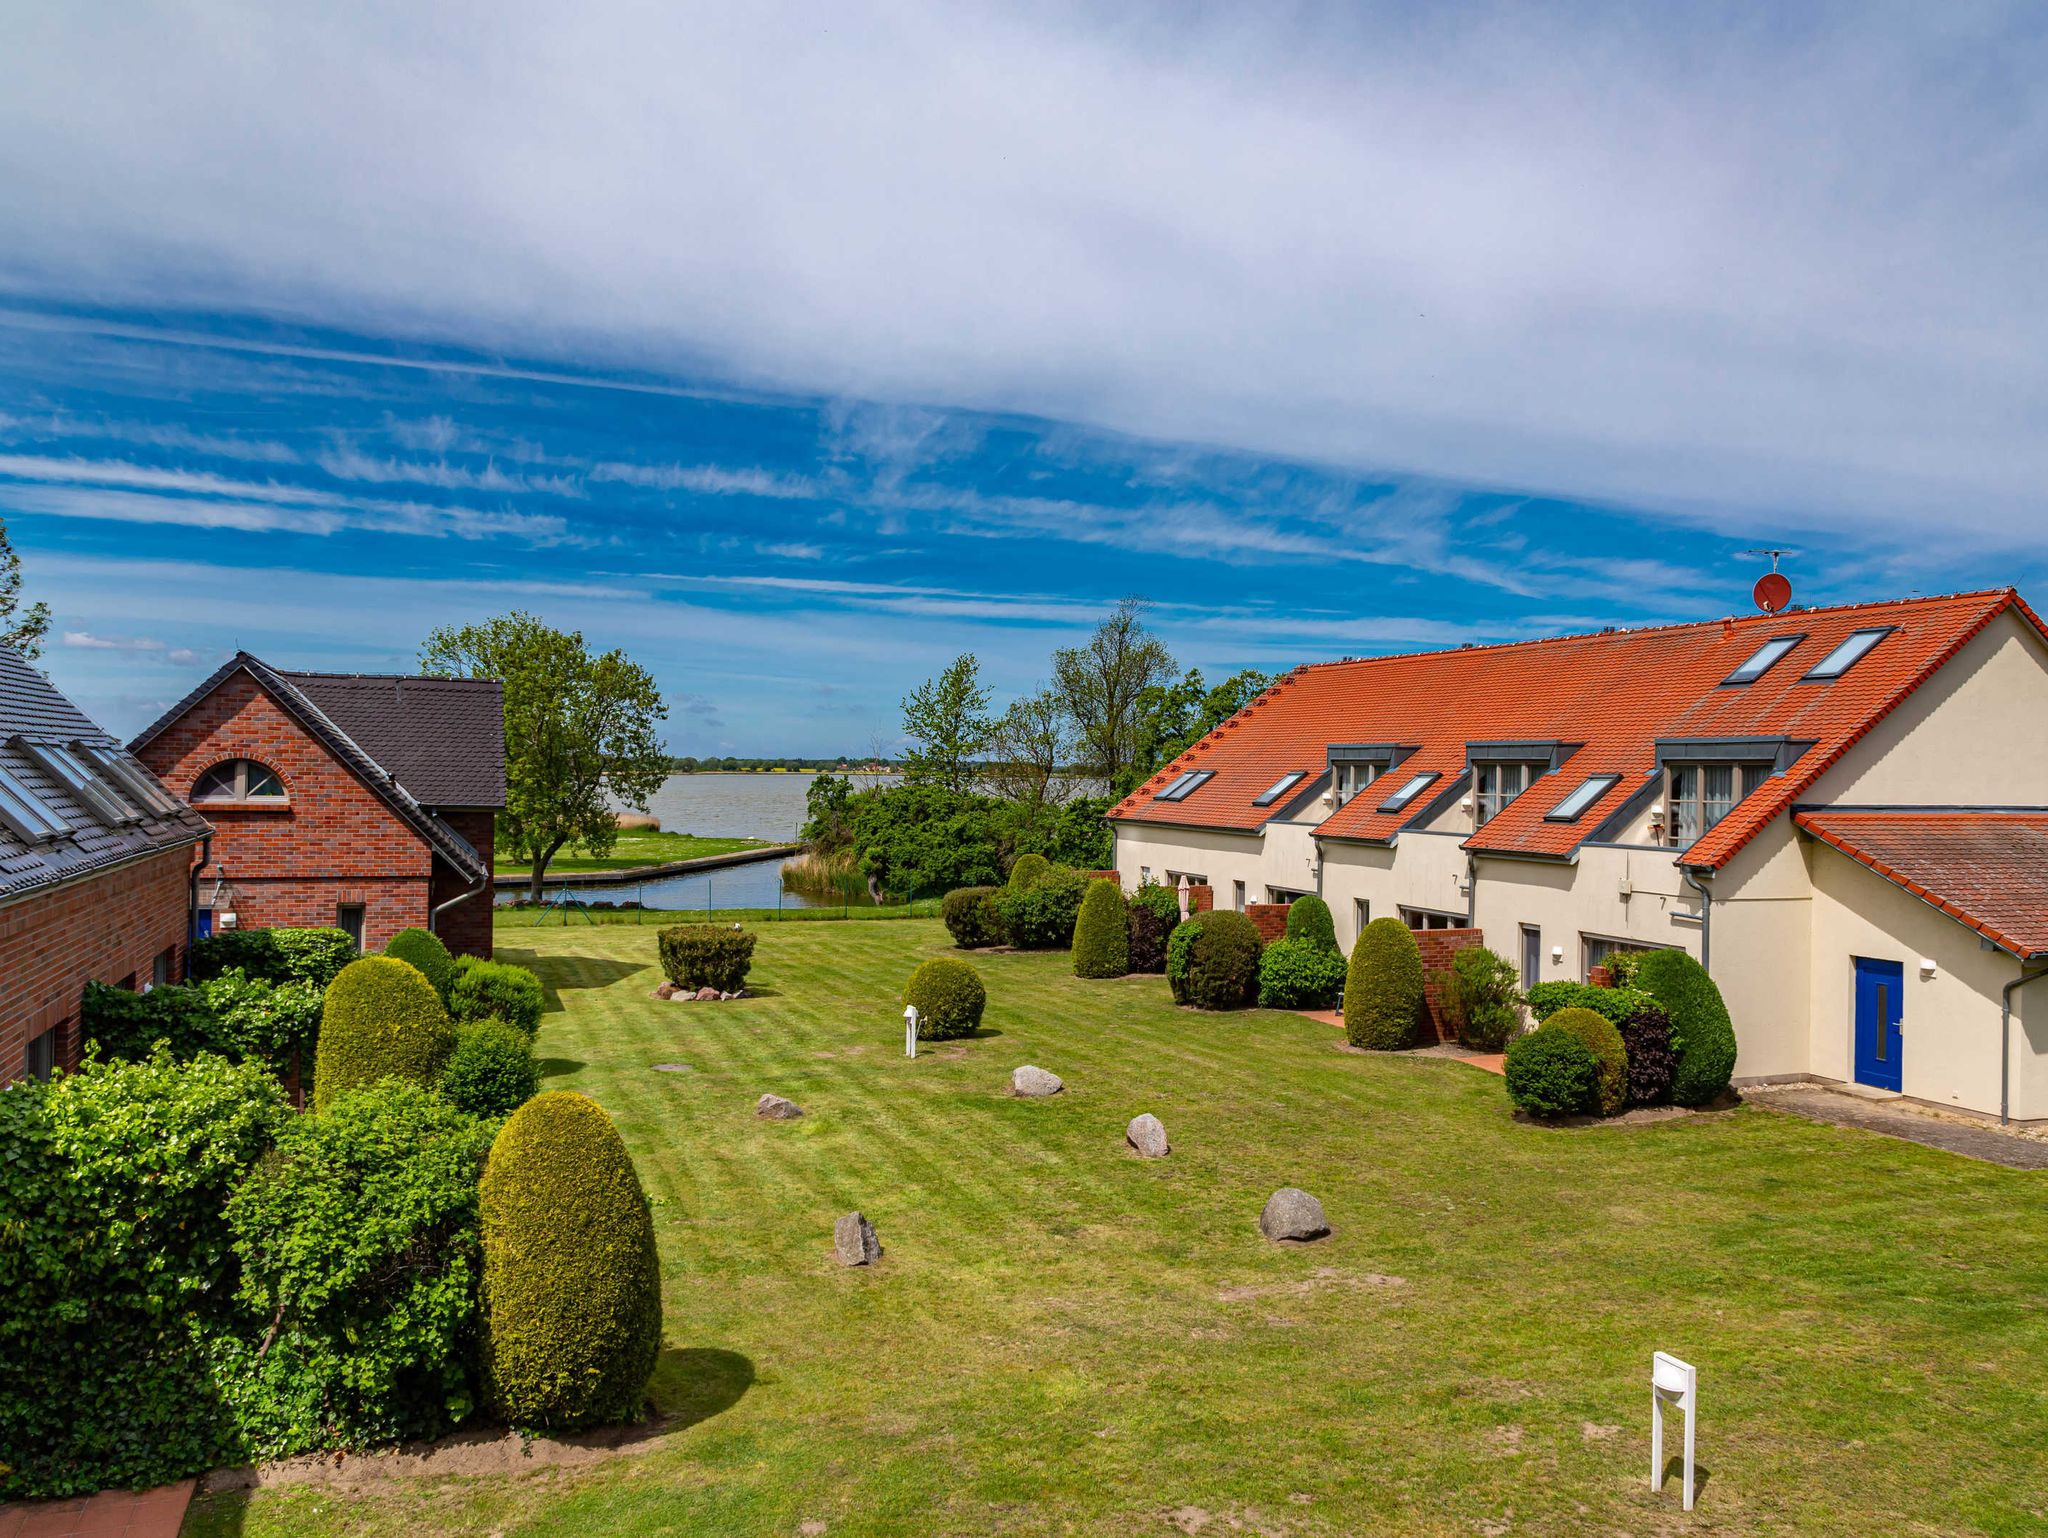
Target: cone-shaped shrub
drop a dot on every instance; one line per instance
(1701, 1031)
(1102, 933)
(1383, 1000)
(382, 1020)
(1610, 1089)
(1029, 870)
(949, 998)
(571, 1286)
(1308, 918)
(424, 950)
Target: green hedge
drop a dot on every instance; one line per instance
(313, 956)
(1383, 998)
(1610, 1086)
(1614, 1004)
(496, 990)
(1102, 932)
(492, 1071)
(1041, 916)
(424, 950)
(949, 998)
(1300, 973)
(1552, 1073)
(1212, 961)
(232, 1015)
(1029, 870)
(571, 1281)
(706, 955)
(1308, 918)
(382, 1020)
(971, 917)
(1701, 1032)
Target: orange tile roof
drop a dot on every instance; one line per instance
(1615, 693)
(1988, 870)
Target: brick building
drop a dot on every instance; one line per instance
(365, 801)
(95, 871)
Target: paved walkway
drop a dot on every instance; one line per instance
(157, 1513)
(1897, 1119)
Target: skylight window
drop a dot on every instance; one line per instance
(1767, 656)
(25, 810)
(1412, 788)
(130, 776)
(1853, 649)
(1186, 785)
(93, 791)
(1281, 787)
(1583, 795)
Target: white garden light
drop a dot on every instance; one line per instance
(910, 1030)
(1676, 1383)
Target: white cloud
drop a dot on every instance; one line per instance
(84, 640)
(708, 480)
(346, 463)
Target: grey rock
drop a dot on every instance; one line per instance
(775, 1108)
(1147, 1136)
(671, 1067)
(1035, 1082)
(854, 1241)
(1293, 1214)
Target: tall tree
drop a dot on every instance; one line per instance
(1033, 743)
(1173, 717)
(580, 731)
(947, 719)
(21, 629)
(1100, 685)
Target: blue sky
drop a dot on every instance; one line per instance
(795, 359)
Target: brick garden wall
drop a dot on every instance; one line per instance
(1438, 947)
(105, 929)
(1269, 918)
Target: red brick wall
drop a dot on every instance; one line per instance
(1201, 899)
(1271, 919)
(1438, 947)
(466, 927)
(99, 930)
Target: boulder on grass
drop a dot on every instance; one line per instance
(1147, 1136)
(1034, 1083)
(1292, 1215)
(775, 1108)
(705, 995)
(854, 1241)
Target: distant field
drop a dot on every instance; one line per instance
(634, 850)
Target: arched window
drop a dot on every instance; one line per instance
(239, 779)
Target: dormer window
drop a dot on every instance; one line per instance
(1496, 785)
(240, 780)
(1353, 776)
(1703, 794)
(1355, 765)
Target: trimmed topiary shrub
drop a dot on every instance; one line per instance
(1383, 998)
(1615, 1004)
(1299, 973)
(382, 1020)
(313, 956)
(1701, 1032)
(1610, 1087)
(971, 917)
(1482, 999)
(492, 1071)
(424, 950)
(496, 990)
(706, 956)
(1147, 943)
(1041, 917)
(1212, 961)
(571, 1282)
(360, 1262)
(1029, 870)
(1552, 1073)
(1646, 1037)
(1308, 918)
(949, 999)
(1102, 932)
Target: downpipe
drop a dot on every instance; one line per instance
(2005, 1041)
(434, 914)
(1706, 918)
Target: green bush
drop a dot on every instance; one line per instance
(264, 1020)
(571, 1282)
(1552, 1073)
(1300, 973)
(383, 1020)
(1308, 918)
(1212, 961)
(1701, 1033)
(313, 956)
(424, 949)
(1383, 998)
(1610, 1086)
(360, 1264)
(971, 917)
(117, 1268)
(1163, 903)
(127, 1025)
(487, 990)
(1482, 999)
(1029, 870)
(1623, 967)
(1102, 932)
(949, 999)
(1613, 1004)
(1041, 917)
(492, 1071)
(707, 956)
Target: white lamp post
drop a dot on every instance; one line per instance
(1677, 1383)
(910, 1030)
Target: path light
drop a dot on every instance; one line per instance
(910, 1030)
(1677, 1383)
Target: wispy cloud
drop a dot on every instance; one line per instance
(707, 480)
(352, 464)
(82, 640)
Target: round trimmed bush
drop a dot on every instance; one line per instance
(1298, 973)
(1701, 1032)
(488, 990)
(382, 1020)
(424, 950)
(1029, 871)
(949, 999)
(1102, 932)
(1308, 918)
(1212, 961)
(971, 917)
(1646, 1037)
(571, 1283)
(1610, 1089)
(492, 1071)
(1383, 998)
(1552, 1073)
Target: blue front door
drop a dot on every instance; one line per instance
(1879, 985)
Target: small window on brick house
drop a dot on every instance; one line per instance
(348, 918)
(239, 779)
(1237, 895)
(128, 982)
(165, 968)
(40, 1060)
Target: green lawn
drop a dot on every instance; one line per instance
(1063, 1339)
(632, 850)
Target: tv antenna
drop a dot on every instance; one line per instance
(1773, 589)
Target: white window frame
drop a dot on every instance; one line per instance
(1496, 784)
(1698, 797)
(241, 796)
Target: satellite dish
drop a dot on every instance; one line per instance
(1772, 592)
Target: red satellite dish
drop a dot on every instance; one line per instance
(1772, 592)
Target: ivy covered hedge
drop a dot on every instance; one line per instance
(274, 955)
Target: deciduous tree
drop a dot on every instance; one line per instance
(21, 628)
(1101, 683)
(947, 720)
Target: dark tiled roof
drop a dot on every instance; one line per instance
(1985, 869)
(31, 707)
(443, 739)
(1613, 695)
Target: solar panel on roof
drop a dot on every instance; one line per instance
(31, 817)
(1851, 651)
(1766, 657)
